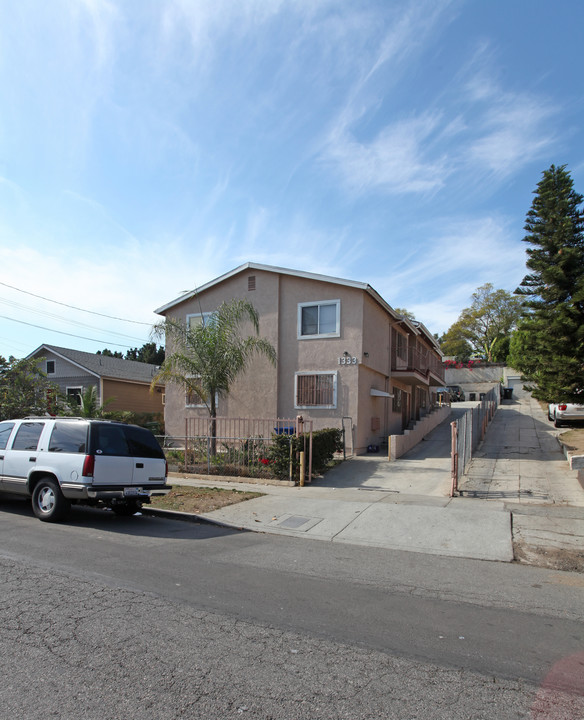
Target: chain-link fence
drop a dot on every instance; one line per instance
(467, 433)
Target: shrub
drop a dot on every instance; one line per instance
(325, 443)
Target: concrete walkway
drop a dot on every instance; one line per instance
(405, 505)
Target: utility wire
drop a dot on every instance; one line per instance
(73, 307)
(40, 327)
(29, 310)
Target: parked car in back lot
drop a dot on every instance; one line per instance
(456, 393)
(561, 413)
(58, 462)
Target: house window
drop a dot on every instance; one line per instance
(251, 282)
(315, 390)
(319, 319)
(396, 404)
(74, 393)
(195, 319)
(194, 399)
(50, 367)
(401, 346)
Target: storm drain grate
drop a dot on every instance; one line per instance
(296, 522)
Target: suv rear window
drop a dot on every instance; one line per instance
(124, 440)
(69, 437)
(143, 443)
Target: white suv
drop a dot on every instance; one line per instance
(60, 461)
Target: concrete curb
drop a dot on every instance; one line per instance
(189, 517)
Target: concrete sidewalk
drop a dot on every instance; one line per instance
(518, 472)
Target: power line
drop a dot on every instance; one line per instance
(40, 327)
(73, 307)
(34, 311)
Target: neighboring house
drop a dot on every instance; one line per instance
(127, 382)
(344, 355)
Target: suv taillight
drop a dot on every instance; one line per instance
(562, 407)
(88, 465)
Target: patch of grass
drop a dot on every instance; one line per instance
(186, 498)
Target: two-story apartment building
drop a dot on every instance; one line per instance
(344, 354)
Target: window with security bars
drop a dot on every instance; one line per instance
(316, 390)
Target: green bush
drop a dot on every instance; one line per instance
(325, 443)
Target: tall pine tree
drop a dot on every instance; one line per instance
(548, 347)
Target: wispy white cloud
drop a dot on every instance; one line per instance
(454, 259)
(394, 161)
(514, 131)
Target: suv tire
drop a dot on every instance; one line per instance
(48, 502)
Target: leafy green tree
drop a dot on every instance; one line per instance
(548, 347)
(148, 353)
(405, 313)
(206, 358)
(110, 353)
(24, 389)
(454, 343)
(483, 329)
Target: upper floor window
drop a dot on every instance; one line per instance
(50, 367)
(319, 319)
(195, 319)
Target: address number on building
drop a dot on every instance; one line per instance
(347, 361)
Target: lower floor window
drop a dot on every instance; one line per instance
(316, 390)
(74, 393)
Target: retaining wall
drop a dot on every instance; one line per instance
(400, 444)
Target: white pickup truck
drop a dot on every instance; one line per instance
(60, 461)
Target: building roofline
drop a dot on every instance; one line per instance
(53, 349)
(280, 271)
(417, 328)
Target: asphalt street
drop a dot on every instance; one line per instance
(146, 617)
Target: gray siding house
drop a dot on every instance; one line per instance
(126, 382)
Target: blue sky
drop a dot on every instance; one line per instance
(148, 146)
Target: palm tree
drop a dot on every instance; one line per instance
(89, 406)
(207, 358)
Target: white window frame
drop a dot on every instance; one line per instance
(74, 387)
(205, 316)
(318, 303)
(332, 406)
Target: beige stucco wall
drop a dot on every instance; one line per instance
(319, 354)
(254, 393)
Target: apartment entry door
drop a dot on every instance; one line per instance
(405, 409)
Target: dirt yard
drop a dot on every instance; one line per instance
(573, 439)
(200, 499)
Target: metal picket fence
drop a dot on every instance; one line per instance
(234, 446)
(467, 432)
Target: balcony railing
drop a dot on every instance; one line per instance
(412, 360)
